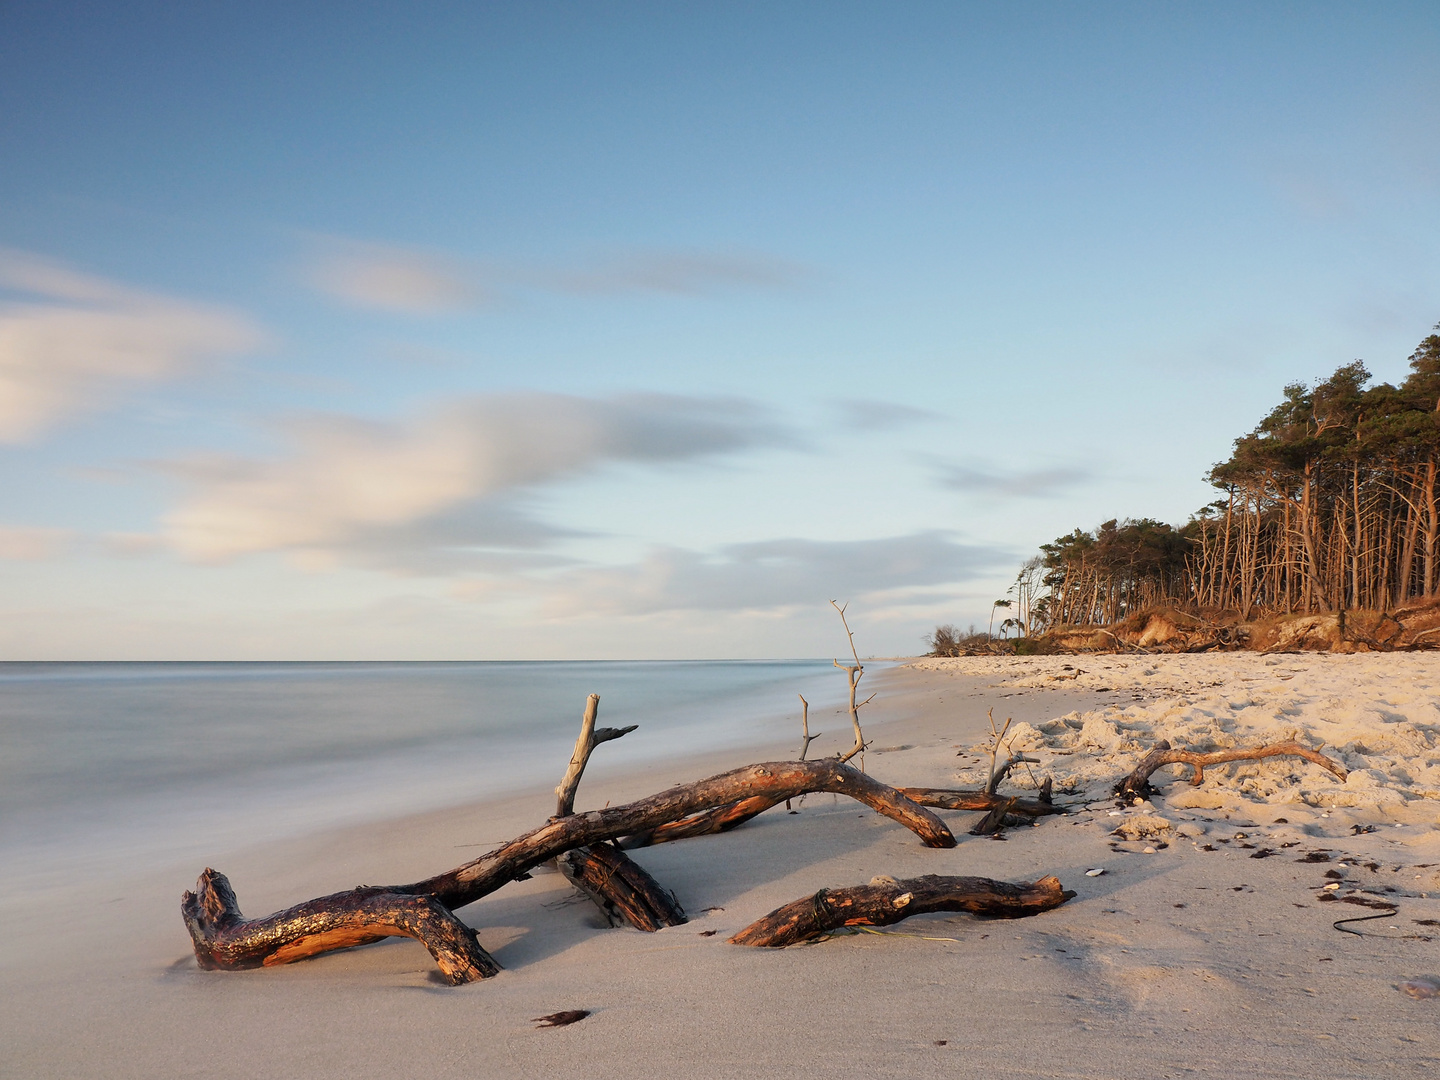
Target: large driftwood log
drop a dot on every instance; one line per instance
(235, 942)
(621, 888)
(778, 780)
(1137, 784)
(885, 901)
(226, 939)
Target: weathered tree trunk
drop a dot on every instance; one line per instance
(621, 888)
(885, 901)
(228, 940)
(1137, 784)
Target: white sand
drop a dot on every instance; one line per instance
(1184, 961)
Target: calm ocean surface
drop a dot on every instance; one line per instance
(121, 765)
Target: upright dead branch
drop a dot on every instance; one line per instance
(997, 743)
(804, 732)
(619, 887)
(590, 737)
(1137, 784)
(854, 672)
(805, 727)
(885, 901)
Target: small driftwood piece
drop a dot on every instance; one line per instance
(885, 901)
(959, 799)
(228, 940)
(225, 939)
(1137, 784)
(621, 888)
(994, 821)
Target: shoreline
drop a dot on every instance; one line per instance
(1146, 972)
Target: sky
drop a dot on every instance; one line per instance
(569, 330)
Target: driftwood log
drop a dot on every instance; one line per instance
(621, 888)
(725, 818)
(1137, 784)
(224, 938)
(956, 799)
(885, 901)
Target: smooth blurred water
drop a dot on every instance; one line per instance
(128, 763)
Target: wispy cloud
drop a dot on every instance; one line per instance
(681, 273)
(80, 339)
(356, 485)
(21, 543)
(1001, 483)
(761, 576)
(402, 280)
(417, 282)
(861, 414)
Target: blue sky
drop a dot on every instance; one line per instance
(576, 330)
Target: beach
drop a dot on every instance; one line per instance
(1204, 948)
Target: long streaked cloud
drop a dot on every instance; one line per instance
(760, 576)
(417, 282)
(347, 484)
(1003, 483)
(79, 340)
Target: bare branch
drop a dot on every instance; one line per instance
(1137, 784)
(854, 672)
(805, 726)
(590, 737)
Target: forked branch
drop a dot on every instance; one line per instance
(590, 737)
(1137, 784)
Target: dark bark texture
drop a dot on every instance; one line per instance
(956, 799)
(621, 888)
(886, 901)
(224, 938)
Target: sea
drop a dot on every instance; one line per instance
(112, 766)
